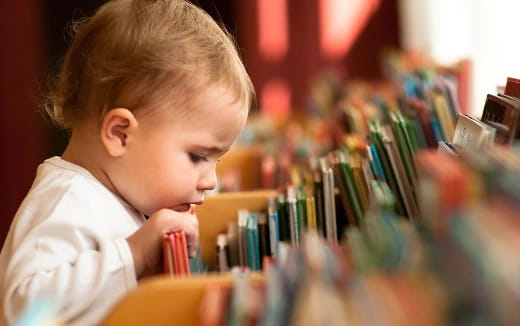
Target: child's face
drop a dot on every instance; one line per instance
(171, 159)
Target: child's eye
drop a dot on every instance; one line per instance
(196, 158)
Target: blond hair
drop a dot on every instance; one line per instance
(144, 48)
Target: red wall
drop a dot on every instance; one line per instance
(304, 60)
(22, 142)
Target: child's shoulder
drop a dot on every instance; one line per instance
(61, 187)
(59, 176)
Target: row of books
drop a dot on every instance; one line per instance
(247, 241)
(458, 265)
(498, 124)
(421, 98)
(472, 215)
(371, 161)
(335, 195)
(320, 283)
(353, 251)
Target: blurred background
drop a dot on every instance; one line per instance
(284, 44)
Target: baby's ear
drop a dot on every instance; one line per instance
(117, 126)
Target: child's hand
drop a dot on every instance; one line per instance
(146, 243)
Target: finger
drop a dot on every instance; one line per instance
(192, 250)
(190, 225)
(193, 238)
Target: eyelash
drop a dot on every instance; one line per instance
(195, 158)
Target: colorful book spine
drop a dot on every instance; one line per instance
(253, 250)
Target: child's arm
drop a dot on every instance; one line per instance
(146, 244)
(80, 268)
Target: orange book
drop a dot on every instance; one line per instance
(214, 305)
(175, 254)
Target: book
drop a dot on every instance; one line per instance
(233, 243)
(283, 218)
(473, 133)
(243, 215)
(447, 148)
(214, 304)
(274, 228)
(293, 216)
(329, 200)
(437, 130)
(404, 144)
(443, 115)
(350, 185)
(253, 250)
(406, 191)
(448, 85)
(512, 87)
(222, 253)
(502, 114)
(343, 191)
(445, 182)
(359, 180)
(375, 163)
(423, 116)
(301, 209)
(175, 254)
(367, 174)
(319, 201)
(263, 235)
(390, 178)
(311, 213)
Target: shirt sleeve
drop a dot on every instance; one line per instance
(75, 266)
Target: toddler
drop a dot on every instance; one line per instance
(153, 93)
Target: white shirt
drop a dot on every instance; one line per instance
(67, 241)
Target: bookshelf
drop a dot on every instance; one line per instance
(166, 301)
(384, 252)
(220, 209)
(163, 300)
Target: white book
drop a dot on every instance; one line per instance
(330, 206)
(447, 148)
(472, 133)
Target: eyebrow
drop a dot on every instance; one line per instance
(213, 149)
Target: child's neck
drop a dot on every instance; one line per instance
(86, 150)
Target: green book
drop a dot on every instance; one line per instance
(348, 177)
(403, 144)
(377, 140)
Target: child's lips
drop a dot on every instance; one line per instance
(182, 208)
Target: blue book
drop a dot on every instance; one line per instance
(274, 227)
(375, 164)
(253, 250)
(437, 130)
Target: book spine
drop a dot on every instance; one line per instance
(242, 237)
(293, 216)
(274, 226)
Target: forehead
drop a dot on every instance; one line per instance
(207, 102)
(212, 109)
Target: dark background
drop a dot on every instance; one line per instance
(34, 37)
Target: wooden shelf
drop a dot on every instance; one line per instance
(165, 300)
(219, 209)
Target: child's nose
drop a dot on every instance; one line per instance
(208, 180)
